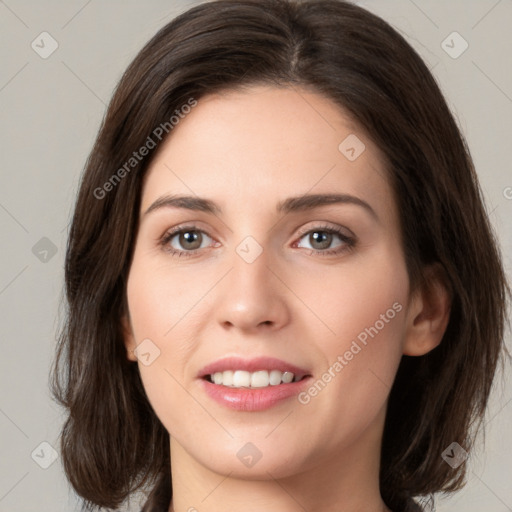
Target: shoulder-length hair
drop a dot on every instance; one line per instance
(112, 443)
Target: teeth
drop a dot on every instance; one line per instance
(259, 379)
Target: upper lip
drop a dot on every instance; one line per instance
(251, 365)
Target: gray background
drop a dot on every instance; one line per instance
(50, 111)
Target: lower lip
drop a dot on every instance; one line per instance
(253, 399)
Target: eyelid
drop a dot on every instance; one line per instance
(327, 227)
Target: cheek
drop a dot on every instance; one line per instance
(357, 297)
(156, 307)
(168, 307)
(365, 311)
(157, 299)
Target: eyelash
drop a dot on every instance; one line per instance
(348, 241)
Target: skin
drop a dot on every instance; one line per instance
(247, 151)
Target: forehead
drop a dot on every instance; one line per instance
(264, 144)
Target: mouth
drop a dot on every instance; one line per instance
(244, 391)
(257, 379)
(261, 372)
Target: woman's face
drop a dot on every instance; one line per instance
(273, 269)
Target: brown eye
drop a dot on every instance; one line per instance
(185, 240)
(320, 239)
(190, 239)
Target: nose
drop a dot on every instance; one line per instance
(252, 297)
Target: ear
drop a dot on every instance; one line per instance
(129, 339)
(429, 312)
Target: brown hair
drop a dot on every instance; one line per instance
(112, 443)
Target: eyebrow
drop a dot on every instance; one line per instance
(289, 205)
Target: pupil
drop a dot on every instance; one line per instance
(188, 238)
(324, 239)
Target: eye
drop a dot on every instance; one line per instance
(321, 240)
(185, 240)
(188, 240)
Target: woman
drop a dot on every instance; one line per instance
(284, 292)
